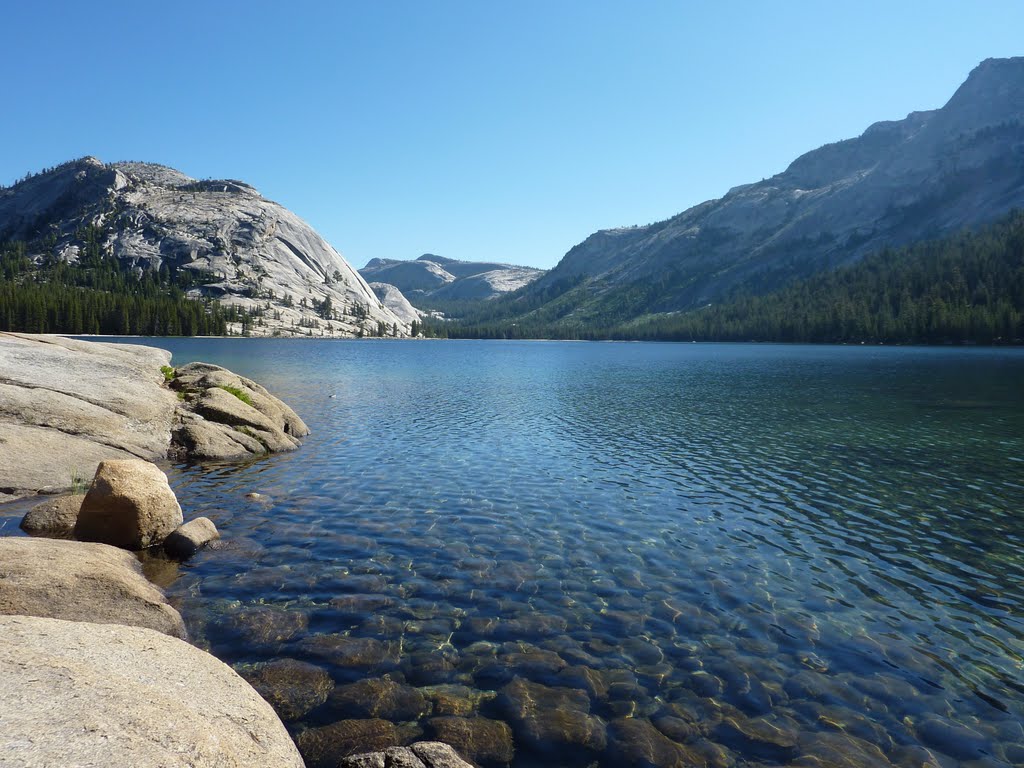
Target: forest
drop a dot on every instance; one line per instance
(97, 294)
(966, 288)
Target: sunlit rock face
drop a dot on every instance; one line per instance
(902, 181)
(245, 250)
(395, 300)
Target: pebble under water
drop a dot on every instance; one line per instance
(555, 554)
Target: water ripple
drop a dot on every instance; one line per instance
(806, 538)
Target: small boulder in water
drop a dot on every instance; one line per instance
(55, 518)
(189, 538)
(130, 505)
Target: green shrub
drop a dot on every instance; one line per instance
(168, 372)
(240, 394)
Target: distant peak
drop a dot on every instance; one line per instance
(998, 65)
(994, 91)
(997, 73)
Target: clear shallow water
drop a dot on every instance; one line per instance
(767, 553)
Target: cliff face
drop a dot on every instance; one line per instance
(901, 181)
(245, 250)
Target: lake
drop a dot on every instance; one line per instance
(627, 554)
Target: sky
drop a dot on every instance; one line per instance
(498, 131)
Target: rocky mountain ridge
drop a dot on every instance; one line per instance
(219, 238)
(900, 182)
(430, 279)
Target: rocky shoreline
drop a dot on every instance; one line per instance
(96, 665)
(66, 405)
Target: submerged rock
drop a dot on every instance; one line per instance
(480, 739)
(349, 652)
(953, 739)
(293, 688)
(593, 681)
(839, 750)
(758, 738)
(429, 667)
(460, 700)
(380, 697)
(129, 505)
(635, 742)
(55, 518)
(326, 746)
(76, 693)
(76, 581)
(552, 718)
(266, 625)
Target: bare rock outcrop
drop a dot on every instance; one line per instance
(67, 405)
(235, 246)
(227, 416)
(130, 505)
(77, 581)
(423, 754)
(392, 298)
(86, 694)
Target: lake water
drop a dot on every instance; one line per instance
(628, 554)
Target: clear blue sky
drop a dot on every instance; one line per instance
(477, 130)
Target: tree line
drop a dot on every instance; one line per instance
(97, 294)
(966, 288)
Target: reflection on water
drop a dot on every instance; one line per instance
(626, 553)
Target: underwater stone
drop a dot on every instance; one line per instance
(549, 717)
(293, 688)
(532, 663)
(676, 728)
(349, 652)
(379, 697)
(840, 750)
(757, 738)
(459, 700)
(266, 625)
(326, 746)
(590, 680)
(635, 742)
(478, 738)
(705, 684)
(427, 668)
(953, 739)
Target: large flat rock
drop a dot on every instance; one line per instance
(100, 695)
(76, 581)
(66, 405)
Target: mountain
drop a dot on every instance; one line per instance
(900, 182)
(219, 240)
(436, 282)
(963, 288)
